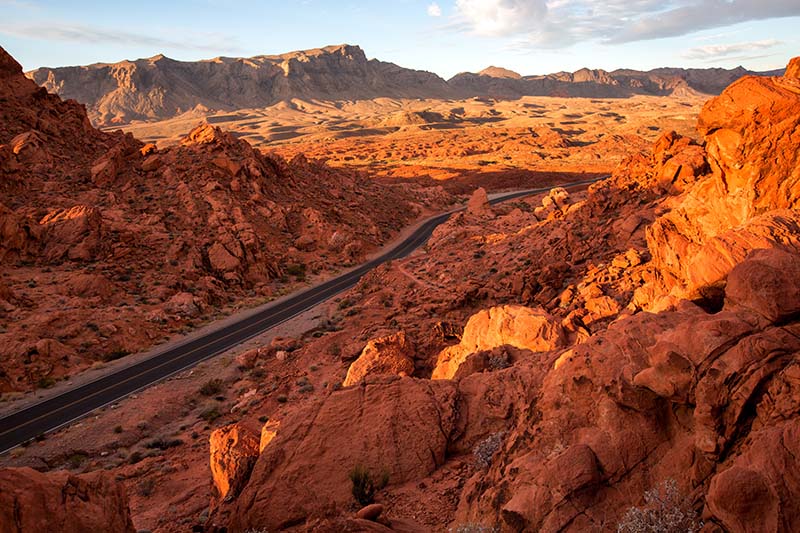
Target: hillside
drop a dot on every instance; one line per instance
(587, 83)
(109, 246)
(160, 88)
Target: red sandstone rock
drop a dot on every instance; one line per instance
(399, 426)
(234, 450)
(516, 326)
(32, 501)
(478, 204)
(767, 282)
(393, 354)
(370, 512)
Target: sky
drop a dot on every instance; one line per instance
(441, 36)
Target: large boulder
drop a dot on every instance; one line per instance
(508, 325)
(393, 354)
(31, 501)
(400, 426)
(767, 282)
(234, 450)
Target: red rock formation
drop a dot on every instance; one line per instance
(234, 450)
(31, 501)
(513, 325)
(399, 426)
(393, 354)
(704, 395)
(235, 223)
(742, 204)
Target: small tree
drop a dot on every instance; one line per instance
(665, 511)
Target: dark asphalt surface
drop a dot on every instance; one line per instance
(71, 405)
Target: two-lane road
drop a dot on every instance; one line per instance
(73, 404)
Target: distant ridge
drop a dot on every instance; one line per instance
(158, 88)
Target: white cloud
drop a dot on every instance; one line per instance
(500, 17)
(93, 35)
(716, 51)
(561, 23)
(434, 10)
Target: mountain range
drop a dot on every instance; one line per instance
(159, 87)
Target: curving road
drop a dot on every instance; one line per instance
(76, 403)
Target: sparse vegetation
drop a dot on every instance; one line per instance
(135, 457)
(211, 387)
(485, 449)
(210, 414)
(76, 459)
(665, 510)
(115, 354)
(298, 270)
(498, 363)
(162, 443)
(365, 485)
(473, 528)
(146, 487)
(45, 382)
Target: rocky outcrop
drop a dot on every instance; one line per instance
(399, 427)
(59, 501)
(748, 199)
(510, 325)
(478, 204)
(393, 354)
(160, 87)
(75, 201)
(234, 450)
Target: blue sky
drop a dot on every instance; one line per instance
(443, 36)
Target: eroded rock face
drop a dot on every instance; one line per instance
(234, 450)
(393, 354)
(747, 201)
(400, 426)
(59, 501)
(512, 325)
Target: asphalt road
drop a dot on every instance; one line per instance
(55, 412)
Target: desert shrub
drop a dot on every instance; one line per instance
(146, 487)
(135, 458)
(344, 303)
(162, 444)
(665, 510)
(210, 414)
(211, 387)
(485, 449)
(76, 459)
(45, 382)
(473, 528)
(116, 354)
(365, 485)
(298, 270)
(498, 363)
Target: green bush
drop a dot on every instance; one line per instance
(365, 485)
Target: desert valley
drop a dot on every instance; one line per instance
(616, 349)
